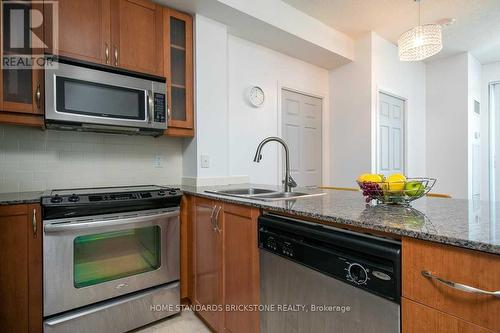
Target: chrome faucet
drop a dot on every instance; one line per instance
(288, 182)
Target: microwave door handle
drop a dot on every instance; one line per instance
(70, 226)
(150, 106)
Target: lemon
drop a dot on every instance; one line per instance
(370, 178)
(396, 182)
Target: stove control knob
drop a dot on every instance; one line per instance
(56, 199)
(73, 198)
(357, 273)
(161, 192)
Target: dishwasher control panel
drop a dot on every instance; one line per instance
(362, 262)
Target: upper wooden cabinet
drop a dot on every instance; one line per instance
(84, 30)
(21, 269)
(137, 36)
(120, 33)
(21, 90)
(179, 71)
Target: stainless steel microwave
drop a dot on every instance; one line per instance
(83, 98)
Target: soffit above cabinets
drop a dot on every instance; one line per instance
(278, 26)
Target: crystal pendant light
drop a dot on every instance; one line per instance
(421, 41)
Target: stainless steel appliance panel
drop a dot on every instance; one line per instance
(60, 293)
(118, 315)
(286, 282)
(87, 80)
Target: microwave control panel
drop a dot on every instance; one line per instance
(159, 114)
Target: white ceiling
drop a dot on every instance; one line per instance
(477, 26)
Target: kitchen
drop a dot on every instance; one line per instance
(133, 171)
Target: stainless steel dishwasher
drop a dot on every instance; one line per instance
(321, 279)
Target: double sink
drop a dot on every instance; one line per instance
(263, 194)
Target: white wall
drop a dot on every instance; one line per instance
(35, 160)
(474, 93)
(211, 105)
(228, 129)
(447, 124)
(405, 80)
(350, 109)
(249, 65)
(354, 102)
(490, 73)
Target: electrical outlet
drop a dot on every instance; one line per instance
(205, 161)
(157, 162)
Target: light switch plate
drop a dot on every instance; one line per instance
(205, 161)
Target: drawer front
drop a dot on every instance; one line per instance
(418, 318)
(467, 267)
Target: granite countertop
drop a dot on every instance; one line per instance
(20, 198)
(464, 223)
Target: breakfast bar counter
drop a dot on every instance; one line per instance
(464, 223)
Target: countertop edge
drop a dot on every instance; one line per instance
(453, 241)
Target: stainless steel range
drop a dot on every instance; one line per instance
(110, 256)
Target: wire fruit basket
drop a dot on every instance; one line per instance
(402, 192)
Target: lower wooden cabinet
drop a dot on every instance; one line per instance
(207, 263)
(418, 318)
(471, 268)
(240, 268)
(20, 269)
(225, 265)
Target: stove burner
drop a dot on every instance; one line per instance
(73, 198)
(56, 199)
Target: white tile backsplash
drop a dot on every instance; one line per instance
(32, 159)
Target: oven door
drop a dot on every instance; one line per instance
(91, 259)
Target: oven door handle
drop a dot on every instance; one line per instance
(70, 226)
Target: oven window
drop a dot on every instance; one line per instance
(117, 254)
(99, 100)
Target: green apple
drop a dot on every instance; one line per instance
(414, 189)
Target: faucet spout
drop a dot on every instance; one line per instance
(288, 182)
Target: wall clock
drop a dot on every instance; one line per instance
(256, 96)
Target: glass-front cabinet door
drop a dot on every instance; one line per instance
(21, 84)
(112, 255)
(179, 72)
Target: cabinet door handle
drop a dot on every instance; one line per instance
(169, 113)
(212, 217)
(33, 223)
(116, 56)
(217, 228)
(106, 53)
(38, 96)
(459, 286)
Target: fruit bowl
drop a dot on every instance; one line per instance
(401, 192)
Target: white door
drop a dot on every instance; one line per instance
(301, 129)
(391, 135)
